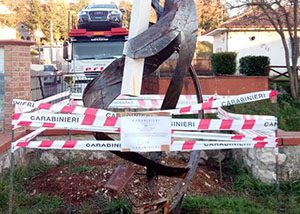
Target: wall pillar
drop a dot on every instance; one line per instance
(17, 80)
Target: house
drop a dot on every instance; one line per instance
(249, 35)
(7, 32)
(24, 31)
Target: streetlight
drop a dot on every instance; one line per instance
(38, 34)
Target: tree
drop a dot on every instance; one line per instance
(283, 16)
(8, 18)
(210, 13)
(74, 9)
(126, 6)
(57, 11)
(34, 20)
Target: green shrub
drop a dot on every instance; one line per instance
(254, 65)
(224, 63)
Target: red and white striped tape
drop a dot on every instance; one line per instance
(222, 136)
(224, 114)
(239, 99)
(64, 121)
(210, 145)
(116, 145)
(80, 103)
(55, 107)
(153, 101)
(69, 121)
(26, 105)
(69, 144)
(68, 109)
(28, 137)
(220, 124)
(158, 97)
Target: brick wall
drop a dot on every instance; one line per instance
(230, 85)
(17, 61)
(150, 85)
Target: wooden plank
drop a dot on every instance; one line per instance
(120, 178)
(133, 69)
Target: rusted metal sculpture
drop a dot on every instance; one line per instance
(175, 30)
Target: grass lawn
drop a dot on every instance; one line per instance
(249, 195)
(244, 195)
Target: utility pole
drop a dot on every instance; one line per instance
(51, 41)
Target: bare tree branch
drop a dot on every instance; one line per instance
(283, 16)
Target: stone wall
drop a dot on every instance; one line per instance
(262, 163)
(5, 162)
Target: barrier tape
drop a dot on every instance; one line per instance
(258, 132)
(183, 97)
(69, 121)
(26, 105)
(70, 109)
(222, 136)
(137, 102)
(55, 107)
(210, 145)
(254, 131)
(27, 138)
(224, 114)
(118, 108)
(239, 99)
(69, 144)
(116, 145)
(176, 134)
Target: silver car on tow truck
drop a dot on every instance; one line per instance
(100, 17)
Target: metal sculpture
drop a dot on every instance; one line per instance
(175, 30)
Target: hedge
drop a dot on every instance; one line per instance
(254, 65)
(224, 63)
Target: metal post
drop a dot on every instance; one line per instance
(11, 183)
(51, 41)
(11, 175)
(39, 47)
(276, 153)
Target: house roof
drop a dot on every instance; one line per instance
(250, 19)
(253, 19)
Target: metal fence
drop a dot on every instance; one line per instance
(43, 86)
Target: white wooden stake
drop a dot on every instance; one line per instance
(133, 68)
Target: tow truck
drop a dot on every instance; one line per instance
(91, 53)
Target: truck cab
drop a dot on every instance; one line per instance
(92, 51)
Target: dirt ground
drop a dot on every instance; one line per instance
(80, 181)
